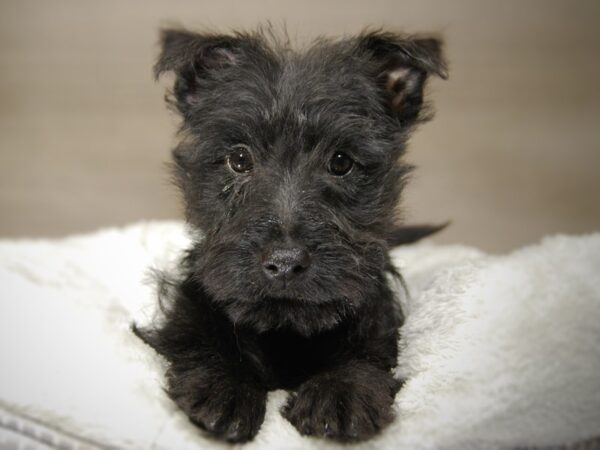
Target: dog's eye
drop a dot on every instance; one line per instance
(239, 159)
(340, 164)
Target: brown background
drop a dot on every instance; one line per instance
(512, 155)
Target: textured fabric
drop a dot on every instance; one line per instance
(18, 433)
(498, 351)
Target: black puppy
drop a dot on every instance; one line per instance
(289, 167)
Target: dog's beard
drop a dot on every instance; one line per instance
(335, 287)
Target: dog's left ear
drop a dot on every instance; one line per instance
(403, 64)
(196, 57)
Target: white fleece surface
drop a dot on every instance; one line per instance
(498, 351)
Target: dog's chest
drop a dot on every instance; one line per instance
(288, 359)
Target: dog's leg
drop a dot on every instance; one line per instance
(351, 396)
(352, 401)
(209, 377)
(215, 399)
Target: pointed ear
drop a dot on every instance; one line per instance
(404, 64)
(193, 57)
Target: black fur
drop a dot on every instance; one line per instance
(231, 329)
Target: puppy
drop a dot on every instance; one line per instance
(290, 168)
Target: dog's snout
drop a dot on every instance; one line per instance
(285, 263)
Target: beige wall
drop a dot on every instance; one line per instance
(513, 154)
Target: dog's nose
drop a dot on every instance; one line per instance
(285, 263)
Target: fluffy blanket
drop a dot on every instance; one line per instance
(498, 351)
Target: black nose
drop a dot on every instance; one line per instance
(285, 263)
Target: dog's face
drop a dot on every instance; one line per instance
(289, 166)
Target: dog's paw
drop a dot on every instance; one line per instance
(226, 410)
(348, 406)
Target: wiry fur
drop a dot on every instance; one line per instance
(230, 333)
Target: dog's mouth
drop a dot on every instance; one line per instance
(285, 292)
(292, 313)
(289, 298)
(303, 291)
(283, 296)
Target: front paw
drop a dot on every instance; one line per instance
(226, 409)
(348, 405)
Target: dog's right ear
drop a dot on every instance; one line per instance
(194, 57)
(405, 63)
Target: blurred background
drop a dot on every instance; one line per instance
(513, 153)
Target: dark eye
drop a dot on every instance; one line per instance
(239, 159)
(340, 164)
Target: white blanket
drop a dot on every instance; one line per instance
(499, 351)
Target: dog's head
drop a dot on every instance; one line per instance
(289, 165)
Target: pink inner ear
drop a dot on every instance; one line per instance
(401, 81)
(222, 56)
